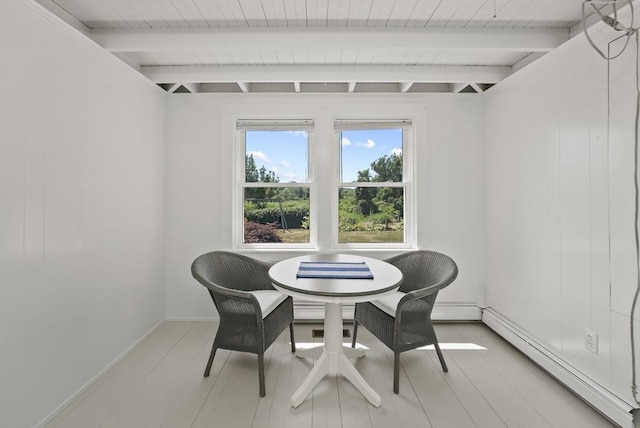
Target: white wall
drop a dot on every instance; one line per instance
(81, 199)
(559, 195)
(450, 178)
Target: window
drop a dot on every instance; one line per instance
(360, 198)
(373, 207)
(275, 188)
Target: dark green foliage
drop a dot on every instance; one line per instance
(260, 233)
(254, 175)
(365, 195)
(250, 169)
(379, 208)
(294, 215)
(387, 168)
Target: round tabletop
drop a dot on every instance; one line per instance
(386, 279)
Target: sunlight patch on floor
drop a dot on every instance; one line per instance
(309, 345)
(456, 346)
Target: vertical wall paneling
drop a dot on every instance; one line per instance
(599, 209)
(453, 201)
(623, 256)
(81, 211)
(560, 253)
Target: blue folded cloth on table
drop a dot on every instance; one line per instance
(338, 270)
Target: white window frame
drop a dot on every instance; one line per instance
(243, 125)
(408, 178)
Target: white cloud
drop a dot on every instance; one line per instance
(397, 151)
(369, 144)
(298, 133)
(274, 169)
(260, 155)
(290, 175)
(284, 164)
(346, 141)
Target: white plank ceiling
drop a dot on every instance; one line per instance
(350, 45)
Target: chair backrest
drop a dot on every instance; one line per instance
(423, 268)
(232, 271)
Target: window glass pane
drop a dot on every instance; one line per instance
(371, 155)
(371, 215)
(276, 215)
(276, 156)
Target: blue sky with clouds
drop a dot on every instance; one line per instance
(285, 152)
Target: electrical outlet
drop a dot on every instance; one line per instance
(591, 341)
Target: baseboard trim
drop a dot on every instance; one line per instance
(609, 404)
(456, 312)
(93, 380)
(311, 311)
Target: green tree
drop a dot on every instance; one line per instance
(389, 200)
(386, 200)
(250, 176)
(267, 176)
(250, 169)
(387, 168)
(254, 175)
(365, 195)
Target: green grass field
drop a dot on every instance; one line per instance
(374, 237)
(294, 236)
(297, 236)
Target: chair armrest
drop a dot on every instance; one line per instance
(423, 292)
(229, 292)
(243, 296)
(420, 294)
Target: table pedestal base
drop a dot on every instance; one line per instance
(333, 358)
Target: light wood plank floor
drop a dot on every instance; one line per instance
(160, 384)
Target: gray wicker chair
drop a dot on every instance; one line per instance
(402, 321)
(252, 313)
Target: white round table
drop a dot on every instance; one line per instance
(333, 357)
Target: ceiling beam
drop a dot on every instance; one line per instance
(193, 88)
(534, 56)
(244, 86)
(457, 87)
(174, 87)
(476, 88)
(325, 74)
(54, 8)
(405, 86)
(198, 39)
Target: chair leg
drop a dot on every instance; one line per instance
(355, 333)
(213, 354)
(261, 374)
(396, 373)
(441, 357)
(293, 342)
